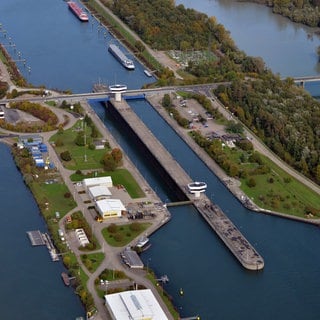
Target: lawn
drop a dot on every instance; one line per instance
(92, 260)
(119, 177)
(83, 158)
(280, 192)
(54, 195)
(123, 234)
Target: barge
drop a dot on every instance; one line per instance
(77, 11)
(121, 57)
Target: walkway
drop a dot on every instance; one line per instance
(112, 260)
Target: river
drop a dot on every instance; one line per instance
(31, 285)
(215, 285)
(66, 54)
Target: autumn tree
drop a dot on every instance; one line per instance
(116, 154)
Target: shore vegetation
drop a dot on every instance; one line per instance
(261, 180)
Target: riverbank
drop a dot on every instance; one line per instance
(232, 184)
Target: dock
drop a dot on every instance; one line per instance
(50, 246)
(37, 238)
(214, 216)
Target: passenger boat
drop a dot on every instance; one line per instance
(121, 57)
(75, 8)
(197, 186)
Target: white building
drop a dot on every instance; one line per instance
(99, 192)
(82, 237)
(108, 208)
(135, 305)
(98, 181)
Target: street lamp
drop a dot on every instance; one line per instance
(85, 143)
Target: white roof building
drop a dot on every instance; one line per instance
(110, 208)
(82, 237)
(135, 305)
(98, 181)
(99, 192)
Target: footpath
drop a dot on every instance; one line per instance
(112, 254)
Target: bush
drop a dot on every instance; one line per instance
(66, 156)
(118, 237)
(135, 226)
(251, 183)
(112, 228)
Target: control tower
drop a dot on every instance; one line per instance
(117, 90)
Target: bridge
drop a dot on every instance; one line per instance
(104, 95)
(302, 80)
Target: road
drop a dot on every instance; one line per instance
(112, 260)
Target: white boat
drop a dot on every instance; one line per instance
(197, 186)
(121, 57)
(142, 242)
(147, 73)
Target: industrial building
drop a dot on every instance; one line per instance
(110, 208)
(135, 305)
(99, 192)
(98, 181)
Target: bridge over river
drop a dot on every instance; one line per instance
(301, 81)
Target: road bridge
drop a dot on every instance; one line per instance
(105, 95)
(303, 79)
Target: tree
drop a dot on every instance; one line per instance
(112, 228)
(66, 156)
(79, 141)
(234, 127)
(94, 131)
(251, 183)
(60, 130)
(166, 101)
(140, 46)
(109, 163)
(117, 155)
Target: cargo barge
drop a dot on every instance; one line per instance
(121, 57)
(78, 12)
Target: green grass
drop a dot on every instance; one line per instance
(126, 234)
(285, 194)
(119, 176)
(53, 194)
(83, 158)
(92, 260)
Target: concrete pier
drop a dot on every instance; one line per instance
(171, 171)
